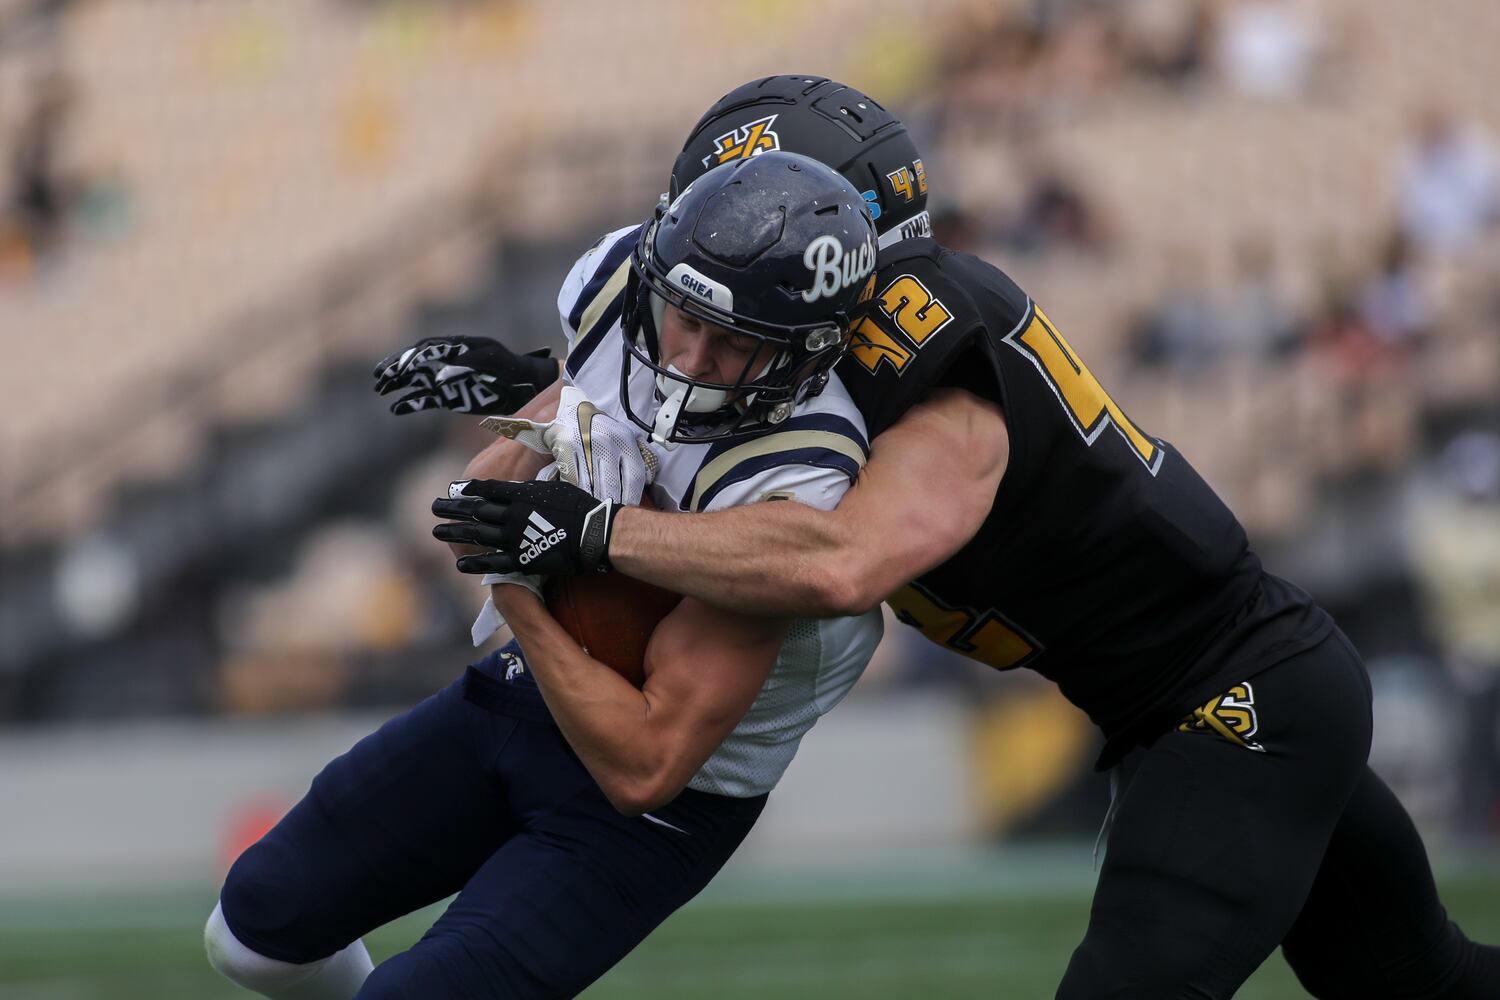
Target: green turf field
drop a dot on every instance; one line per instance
(995, 930)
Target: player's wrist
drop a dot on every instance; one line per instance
(593, 542)
(517, 603)
(621, 544)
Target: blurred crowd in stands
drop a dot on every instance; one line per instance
(1022, 66)
(50, 199)
(1340, 370)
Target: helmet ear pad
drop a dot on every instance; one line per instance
(640, 317)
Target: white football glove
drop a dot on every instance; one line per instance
(596, 452)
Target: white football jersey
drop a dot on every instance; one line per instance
(812, 458)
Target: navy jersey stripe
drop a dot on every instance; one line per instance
(613, 258)
(805, 422)
(586, 346)
(825, 422)
(586, 341)
(824, 458)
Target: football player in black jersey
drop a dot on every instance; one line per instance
(1013, 512)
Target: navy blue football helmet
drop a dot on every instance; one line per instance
(779, 249)
(831, 123)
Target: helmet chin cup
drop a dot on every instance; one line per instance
(696, 398)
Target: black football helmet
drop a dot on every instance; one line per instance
(779, 249)
(827, 121)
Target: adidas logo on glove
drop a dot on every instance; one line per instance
(540, 536)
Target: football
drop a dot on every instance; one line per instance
(611, 616)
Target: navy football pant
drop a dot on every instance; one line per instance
(475, 791)
(1219, 853)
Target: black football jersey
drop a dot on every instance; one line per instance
(1106, 564)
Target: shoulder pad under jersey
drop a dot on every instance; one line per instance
(931, 306)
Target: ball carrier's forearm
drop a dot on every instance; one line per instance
(703, 670)
(601, 715)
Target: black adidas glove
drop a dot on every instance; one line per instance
(545, 528)
(466, 374)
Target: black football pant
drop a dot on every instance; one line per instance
(1222, 849)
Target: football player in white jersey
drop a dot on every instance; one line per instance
(571, 811)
